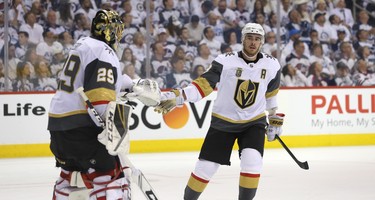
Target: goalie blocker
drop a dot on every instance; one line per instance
(115, 134)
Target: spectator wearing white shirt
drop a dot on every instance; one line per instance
(22, 45)
(286, 7)
(16, 13)
(260, 19)
(327, 34)
(195, 28)
(138, 47)
(322, 6)
(343, 76)
(227, 16)
(344, 13)
(363, 19)
(289, 47)
(126, 7)
(347, 54)
(204, 56)
(270, 44)
(241, 13)
(362, 76)
(154, 15)
(34, 30)
(362, 36)
(327, 64)
(209, 39)
(165, 39)
(51, 23)
(336, 24)
(44, 50)
(3, 79)
(233, 42)
(315, 76)
(184, 8)
(297, 58)
(167, 12)
(203, 10)
(81, 27)
(217, 26)
(293, 77)
(87, 9)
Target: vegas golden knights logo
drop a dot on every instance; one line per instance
(246, 92)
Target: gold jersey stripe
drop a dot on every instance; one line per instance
(76, 112)
(272, 93)
(197, 184)
(238, 121)
(101, 94)
(249, 180)
(203, 86)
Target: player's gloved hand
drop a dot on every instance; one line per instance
(145, 90)
(274, 128)
(170, 100)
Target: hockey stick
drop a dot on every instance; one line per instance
(140, 178)
(303, 165)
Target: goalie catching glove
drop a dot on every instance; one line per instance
(170, 100)
(274, 127)
(145, 90)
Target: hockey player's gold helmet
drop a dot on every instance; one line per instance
(107, 27)
(252, 28)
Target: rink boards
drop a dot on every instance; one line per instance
(314, 117)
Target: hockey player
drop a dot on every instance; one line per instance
(90, 166)
(247, 85)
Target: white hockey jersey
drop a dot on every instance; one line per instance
(93, 65)
(245, 89)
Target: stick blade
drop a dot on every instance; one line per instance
(304, 165)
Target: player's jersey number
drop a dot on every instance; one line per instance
(105, 75)
(71, 68)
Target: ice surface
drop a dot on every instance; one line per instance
(336, 173)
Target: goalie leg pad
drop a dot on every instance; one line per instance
(106, 187)
(64, 191)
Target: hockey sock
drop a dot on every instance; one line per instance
(194, 187)
(251, 165)
(204, 170)
(248, 186)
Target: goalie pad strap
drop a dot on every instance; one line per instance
(89, 177)
(122, 187)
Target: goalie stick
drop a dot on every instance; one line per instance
(138, 178)
(303, 165)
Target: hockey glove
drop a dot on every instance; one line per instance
(274, 127)
(170, 100)
(145, 90)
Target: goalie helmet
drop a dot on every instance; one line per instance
(253, 28)
(107, 27)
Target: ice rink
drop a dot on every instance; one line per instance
(336, 173)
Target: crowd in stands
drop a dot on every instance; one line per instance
(323, 42)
